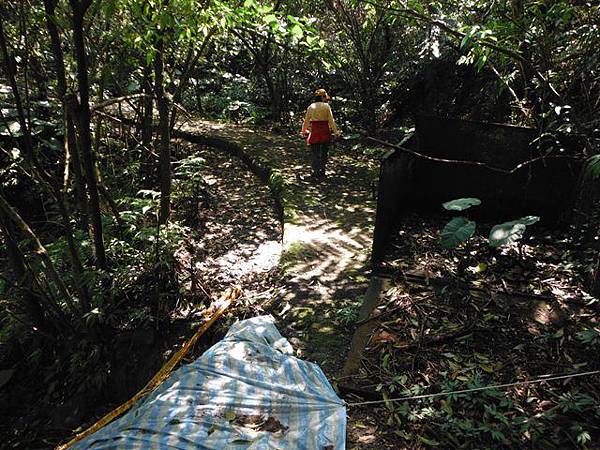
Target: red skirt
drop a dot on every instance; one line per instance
(319, 132)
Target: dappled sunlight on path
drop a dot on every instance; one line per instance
(240, 240)
(326, 240)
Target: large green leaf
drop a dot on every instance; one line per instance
(457, 231)
(592, 167)
(297, 31)
(512, 231)
(271, 18)
(460, 204)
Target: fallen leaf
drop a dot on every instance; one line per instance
(384, 337)
(367, 439)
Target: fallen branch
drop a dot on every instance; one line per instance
(469, 163)
(112, 101)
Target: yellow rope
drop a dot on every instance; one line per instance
(226, 299)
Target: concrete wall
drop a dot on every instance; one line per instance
(408, 183)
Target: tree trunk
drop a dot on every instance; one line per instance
(163, 127)
(80, 187)
(185, 78)
(70, 107)
(274, 95)
(11, 214)
(148, 107)
(98, 128)
(85, 139)
(76, 266)
(25, 35)
(10, 72)
(146, 167)
(369, 105)
(109, 200)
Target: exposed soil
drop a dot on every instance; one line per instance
(238, 240)
(326, 238)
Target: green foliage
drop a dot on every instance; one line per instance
(575, 401)
(88, 367)
(9, 327)
(363, 150)
(281, 28)
(589, 336)
(482, 419)
(460, 229)
(457, 231)
(461, 204)
(509, 232)
(294, 254)
(235, 100)
(348, 314)
(191, 193)
(592, 167)
(277, 183)
(260, 58)
(190, 168)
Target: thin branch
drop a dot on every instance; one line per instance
(510, 89)
(39, 250)
(470, 163)
(112, 101)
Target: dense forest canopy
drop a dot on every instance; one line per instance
(94, 191)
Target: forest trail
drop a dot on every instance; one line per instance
(327, 236)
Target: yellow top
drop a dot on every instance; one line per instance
(316, 112)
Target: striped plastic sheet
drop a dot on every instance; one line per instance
(246, 392)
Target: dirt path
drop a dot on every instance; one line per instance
(326, 239)
(239, 240)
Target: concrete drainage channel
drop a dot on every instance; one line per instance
(377, 287)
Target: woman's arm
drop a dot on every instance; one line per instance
(332, 125)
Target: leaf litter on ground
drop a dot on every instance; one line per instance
(477, 316)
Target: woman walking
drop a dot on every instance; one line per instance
(321, 129)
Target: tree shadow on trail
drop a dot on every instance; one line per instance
(238, 235)
(327, 236)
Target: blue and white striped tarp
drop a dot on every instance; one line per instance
(245, 392)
